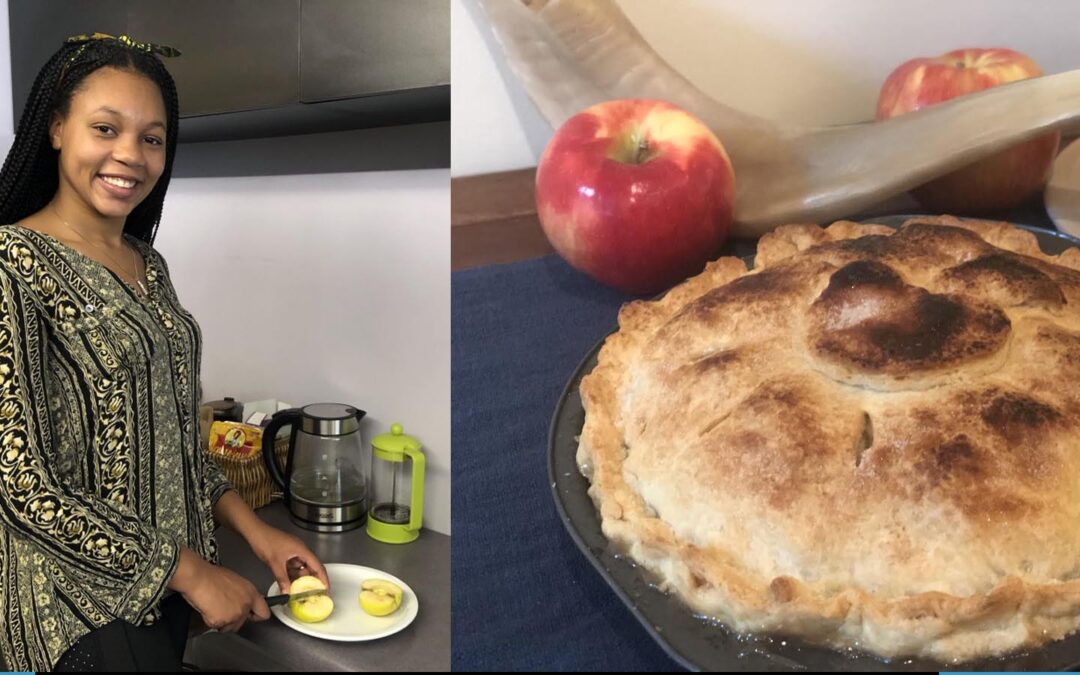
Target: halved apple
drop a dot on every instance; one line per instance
(311, 609)
(380, 597)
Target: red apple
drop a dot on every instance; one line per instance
(1001, 181)
(636, 193)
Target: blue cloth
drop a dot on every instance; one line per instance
(524, 596)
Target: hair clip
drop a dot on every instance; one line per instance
(85, 40)
(148, 47)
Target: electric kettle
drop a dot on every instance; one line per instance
(324, 483)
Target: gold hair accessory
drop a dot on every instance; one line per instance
(85, 40)
(148, 47)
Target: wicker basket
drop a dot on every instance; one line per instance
(247, 474)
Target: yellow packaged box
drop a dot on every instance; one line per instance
(234, 439)
(237, 448)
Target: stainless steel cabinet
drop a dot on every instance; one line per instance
(258, 68)
(237, 55)
(354, 48)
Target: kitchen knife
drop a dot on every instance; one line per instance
(272, 600)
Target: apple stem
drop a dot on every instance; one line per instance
(631, 148)
(641, 153)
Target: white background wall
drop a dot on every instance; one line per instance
(328, 287)
(336, 289)
(816, 62)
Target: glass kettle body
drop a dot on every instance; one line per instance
(324, 483)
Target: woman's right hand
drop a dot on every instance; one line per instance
(225, 599)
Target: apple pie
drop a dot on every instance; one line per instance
(871, 439)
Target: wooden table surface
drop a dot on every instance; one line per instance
(493, 218)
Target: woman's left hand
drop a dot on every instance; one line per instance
(287, 557)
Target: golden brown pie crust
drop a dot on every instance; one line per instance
(870, 440)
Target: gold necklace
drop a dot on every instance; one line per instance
(134, 260)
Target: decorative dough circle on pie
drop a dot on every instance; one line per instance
(872, 439)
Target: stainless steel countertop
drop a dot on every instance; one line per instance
(424, 564)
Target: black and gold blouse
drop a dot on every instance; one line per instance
(101, 475)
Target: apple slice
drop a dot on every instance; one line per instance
(311, 609)
(379, 597)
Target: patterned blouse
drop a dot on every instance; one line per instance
(101, 475)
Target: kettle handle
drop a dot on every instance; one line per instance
(416, 508)
(281, 418)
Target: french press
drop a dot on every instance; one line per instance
(324, 483)
(397, 488)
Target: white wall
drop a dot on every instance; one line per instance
(329, 287)
(815, 62)
(336, 288)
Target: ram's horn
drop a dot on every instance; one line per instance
(570, 54)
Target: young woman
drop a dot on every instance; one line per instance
(107, 501)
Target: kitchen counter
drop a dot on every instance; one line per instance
(423, 564)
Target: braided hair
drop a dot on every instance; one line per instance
(30, 178)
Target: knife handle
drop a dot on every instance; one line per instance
(272, 600)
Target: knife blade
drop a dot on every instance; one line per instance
(272, 600)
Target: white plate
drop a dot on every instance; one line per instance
(349, 623)
(1062, 196)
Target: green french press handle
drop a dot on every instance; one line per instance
(416, 508)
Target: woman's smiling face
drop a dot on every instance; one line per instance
(112, 142)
